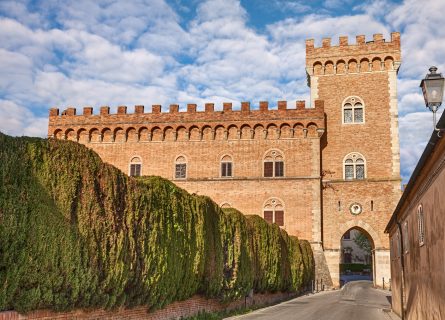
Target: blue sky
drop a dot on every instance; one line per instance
(108, 52)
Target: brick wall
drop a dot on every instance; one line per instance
(203, 139)
(366, 71)
(175, 310)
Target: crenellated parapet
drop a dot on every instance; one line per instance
(285, 122)
(375, 55)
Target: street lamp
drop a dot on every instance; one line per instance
(432, 88)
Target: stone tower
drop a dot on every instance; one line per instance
(360, 151)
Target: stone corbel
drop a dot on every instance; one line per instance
(265, 134)
(320, 132)
(305, 132)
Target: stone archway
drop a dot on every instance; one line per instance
(380, 256)
(357, 260)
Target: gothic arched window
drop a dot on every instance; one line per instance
(226, 167)
(180, 167)
(135, 167)
(273, 164)
(353, 110)
(273, 211)
(354, 166)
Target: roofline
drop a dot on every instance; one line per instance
(422, 161)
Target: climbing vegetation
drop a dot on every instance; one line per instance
(78, 233)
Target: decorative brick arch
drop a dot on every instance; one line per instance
(360, 224)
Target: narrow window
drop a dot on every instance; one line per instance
(347, 113)
(339, 206)
(273, 212)
(135, 167)
(181, 168)
(405, 237)
(273, 164)
(421, 225)
(353, 111)
(268, 169)
(372, 205)
(268, 216)
(226, 167)
(279, 169)
(354, 166)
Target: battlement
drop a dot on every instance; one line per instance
(363, 56)
(304, 119)
(191, 109)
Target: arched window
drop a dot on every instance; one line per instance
(273, 164)
(353, 110)
(421, 225)
(354, 166)
(225, 205)
(180, 168)
(274, 211)
(135, 167)
(226, 167)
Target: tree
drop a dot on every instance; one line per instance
(363, 243)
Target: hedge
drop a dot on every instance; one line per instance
(78, 233)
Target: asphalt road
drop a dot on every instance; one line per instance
(357, 300)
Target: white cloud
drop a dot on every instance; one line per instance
(18, 120)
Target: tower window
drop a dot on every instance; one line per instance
(226, 167)
(135, 167)
(354, 166)
(273, 211)
(180, 168)
(273, 164)
(353, 111)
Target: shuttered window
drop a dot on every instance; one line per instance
(279, 217)
(268, 169)
(279, 169)
(135, 170)
(268, 216)
(226, 169)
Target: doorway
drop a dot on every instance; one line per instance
(356, 256)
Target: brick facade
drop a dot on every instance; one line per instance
(312, 142)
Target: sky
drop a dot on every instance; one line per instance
(56, 53)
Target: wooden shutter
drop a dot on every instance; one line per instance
(279, 217)
(268, 169)
(279, 169)
(268, 216)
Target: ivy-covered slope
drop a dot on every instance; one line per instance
(78, 233)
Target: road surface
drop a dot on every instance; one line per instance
(357, 300)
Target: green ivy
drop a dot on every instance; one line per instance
(78, 233)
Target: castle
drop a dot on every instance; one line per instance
(316, 171)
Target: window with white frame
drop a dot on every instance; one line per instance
(273, 211)
(226, 167)
(135, 167)
(273, 164)
(354, 167)
(421, 225)
(180, 167)
(353, 110)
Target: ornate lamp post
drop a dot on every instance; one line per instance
(432, 88)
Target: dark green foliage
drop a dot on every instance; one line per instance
(78, 233)
(354, 267)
